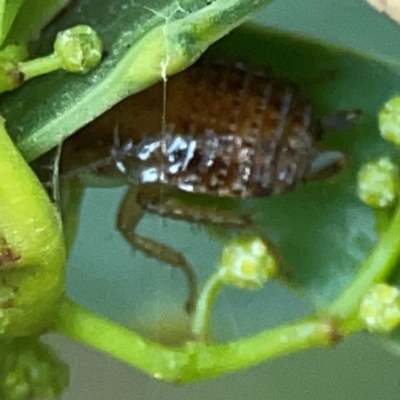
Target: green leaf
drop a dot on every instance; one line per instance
(21, 20)
(140, 37)
(8, 12)
(25, 18)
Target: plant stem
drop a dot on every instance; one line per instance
(383, 217)
(85, 326)
(207, 361)
(196, 360)
(40, 66)
(375, 269)
(201, 318)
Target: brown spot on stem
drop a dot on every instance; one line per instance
(8, 257)
(336, 335)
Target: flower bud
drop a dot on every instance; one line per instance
(247, 263)
(380, 308)
(378, 183)
(80, 48)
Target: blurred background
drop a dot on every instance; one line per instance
(107, 277)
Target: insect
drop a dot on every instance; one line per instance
(221, 131)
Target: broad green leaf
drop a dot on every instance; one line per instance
(22, 20)
(25, 18)
(8, 12)
(143, 41)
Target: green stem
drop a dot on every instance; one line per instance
(201, 318)
(383, 217)
(85, 326)
(196, 360)
(40, 66)
(207, 361)
(375, 269)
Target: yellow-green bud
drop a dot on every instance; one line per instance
(247, 263)
(80, 48)
(380, 308)
(389, 121)
(378, 183)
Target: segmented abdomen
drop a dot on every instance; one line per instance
(233, 134)
(222, 131)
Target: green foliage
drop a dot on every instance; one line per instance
(333, 246)
(326, 234)
(30, 370)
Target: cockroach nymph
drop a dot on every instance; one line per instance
(223, 131)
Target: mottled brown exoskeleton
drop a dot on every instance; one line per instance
(222, 131)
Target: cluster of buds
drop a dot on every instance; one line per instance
(380, 308)
(247, 263)
(378, 186)
(378, 183)
(378, 180)
(78, 49)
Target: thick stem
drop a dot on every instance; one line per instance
(195, 361)
(32, 252)
(207, 361)
(85, 326)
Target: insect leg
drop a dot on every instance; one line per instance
(163, 202)
(129, 216)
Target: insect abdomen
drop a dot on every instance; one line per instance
(227, 132)
(230, 133)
